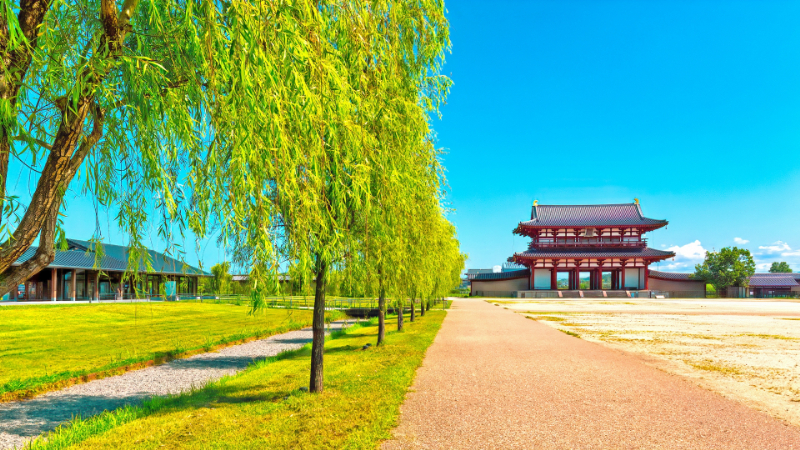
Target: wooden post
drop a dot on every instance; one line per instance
(553, 278)
(53, 284)
(622, 283)
(646, 278)
(531, 281)
(96, 289)
(73, 278)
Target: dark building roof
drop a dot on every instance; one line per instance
(773, 280)
(80, 255)
(510, 275)
(76, 259)
(672, 276)
(625, 214)
(609, 252)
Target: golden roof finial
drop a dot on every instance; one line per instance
(636, 200)
(536, 203)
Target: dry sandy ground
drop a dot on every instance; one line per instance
(748, 351)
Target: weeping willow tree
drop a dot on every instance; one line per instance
(153, 107)
(280, 125)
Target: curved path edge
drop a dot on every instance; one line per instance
(21, 421)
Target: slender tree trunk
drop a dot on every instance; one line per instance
(381, 317)
(413, 306)
(400, 316)
(318, 328)
(422, 307)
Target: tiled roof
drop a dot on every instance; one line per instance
(81, 256)
(76, 259)
(633, 252)
(625, 214)
(773, 280)
(160, 262)
(672, 276)
(524, 273)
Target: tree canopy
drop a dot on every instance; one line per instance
(298, 131)
(728, 267)
(780, 267)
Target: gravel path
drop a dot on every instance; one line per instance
(494, 379)
(23, 420)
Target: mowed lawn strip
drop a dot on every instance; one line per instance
(42, 346)
(263, 407)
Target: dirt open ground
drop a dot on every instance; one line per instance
(748, 351)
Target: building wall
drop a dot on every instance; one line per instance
(515, 284)
(656, 284)
(541, 278)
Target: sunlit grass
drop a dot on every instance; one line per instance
(43, 345)
(264, 407)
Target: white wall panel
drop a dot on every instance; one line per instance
(632, 278)
(541, 279)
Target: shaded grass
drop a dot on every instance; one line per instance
(47, 347)
(263, 406)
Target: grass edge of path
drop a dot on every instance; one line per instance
(25, 389)
(79, 430)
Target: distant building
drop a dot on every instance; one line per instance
(774, 285)
(73, 276)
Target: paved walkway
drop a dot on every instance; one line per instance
(23, 420)
(494, 379)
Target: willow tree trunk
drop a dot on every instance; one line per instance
(413, 307)
(400, 315)
(318, 329)
(421, 307)
(381, 317)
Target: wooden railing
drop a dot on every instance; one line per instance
(591, 244)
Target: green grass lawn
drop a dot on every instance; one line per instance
(42, 345)
(263, 407)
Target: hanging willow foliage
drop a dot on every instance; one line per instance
(297, 130)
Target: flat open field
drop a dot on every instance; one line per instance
(45, 344)
(746, 350)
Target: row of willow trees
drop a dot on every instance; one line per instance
(299, 131)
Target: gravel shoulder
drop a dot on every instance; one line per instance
(24, 420)
(495, 379)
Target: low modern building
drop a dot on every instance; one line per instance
(75, 274)
(766, 285)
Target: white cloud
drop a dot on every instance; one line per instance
(776, 247)
(790, 254)
(740, 241)
(692, 251)
(686, 257)
(763, 267)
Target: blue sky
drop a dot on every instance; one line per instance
(691, 106)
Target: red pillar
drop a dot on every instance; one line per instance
(622, 283)
(553, 278)
(531, 280)
(646, 278)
